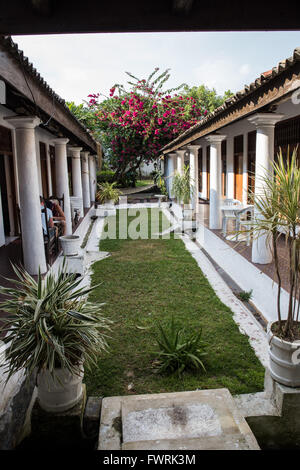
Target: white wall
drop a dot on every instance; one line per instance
(146, 169)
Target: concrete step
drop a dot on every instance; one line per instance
(204, 419)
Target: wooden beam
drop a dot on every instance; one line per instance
(91, 16)
(14, 73)
(270, 93)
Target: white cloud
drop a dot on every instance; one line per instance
(245, 69)
(76, 65)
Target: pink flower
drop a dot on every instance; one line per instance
(156, 132)
(160, 121)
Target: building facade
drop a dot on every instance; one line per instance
(231, 148)
(44, 151)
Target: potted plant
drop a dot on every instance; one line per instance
(183, 189)
(277, 209)
(108, 194)
(52, 330)
(70, 244)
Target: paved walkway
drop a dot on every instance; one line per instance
(128, 191)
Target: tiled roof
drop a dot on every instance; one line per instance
(265, 77)
(12, 47)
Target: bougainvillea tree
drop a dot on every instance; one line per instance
(134, 125)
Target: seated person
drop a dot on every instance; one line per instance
(50, 223)
(58, 213)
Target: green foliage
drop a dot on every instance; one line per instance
(245, 296)
(51, 324)
(158, 279)
(209, 99)
(133, 125)
(159, 181)
(178, 350)
(105, 176)
(84, 114)
(182, 187)
(107, 192)
(277, 209)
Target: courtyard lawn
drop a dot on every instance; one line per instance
(142, 183)
(149, 281)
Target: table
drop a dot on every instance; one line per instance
(233, 211)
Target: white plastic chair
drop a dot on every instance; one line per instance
(229, 214)
(242, 220)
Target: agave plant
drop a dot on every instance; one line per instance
(51, 324)
(107, 192)
(182, 187)
(277, 208)
(178, 350)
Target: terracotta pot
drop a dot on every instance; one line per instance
(284, 360)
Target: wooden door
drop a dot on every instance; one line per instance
(238, 167)
(4, 200)
(44, 170)
(200, 160)
(223, 167)
(238, 177)
(251, 164)
(208, 170)
(53, 171)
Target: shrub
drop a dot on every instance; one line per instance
(107, 192)
(245, 296)
(178, 350)
(105, 176)
(51, 323)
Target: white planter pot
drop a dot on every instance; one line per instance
(109, 204)
(187, 214)
(284, 356)
(59, 393)
(70, 244)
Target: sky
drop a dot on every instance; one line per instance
(76, 65)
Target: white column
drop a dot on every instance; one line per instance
(230, 168)
(76, 171)
(93, 177)
(215, 192)
(62, 179)
(245, 168)
(204, 173)
(170, 172)
(180, 160)
(49, 170)
(76, 176)
(30, 209)
(193, 149)
(85, 180)
(265, 125)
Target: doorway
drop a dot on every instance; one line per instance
(238, 167)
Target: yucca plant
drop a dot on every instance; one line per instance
(50, 323)
(277, 209)
(182, 187)
(107, 192)
(179, 350)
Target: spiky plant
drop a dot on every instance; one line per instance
(182, 186)
(107, 192)
(277, 211)
(51, 324)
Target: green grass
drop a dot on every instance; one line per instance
(142, 183)
(146, 281)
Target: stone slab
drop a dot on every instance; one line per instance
(205, 419)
